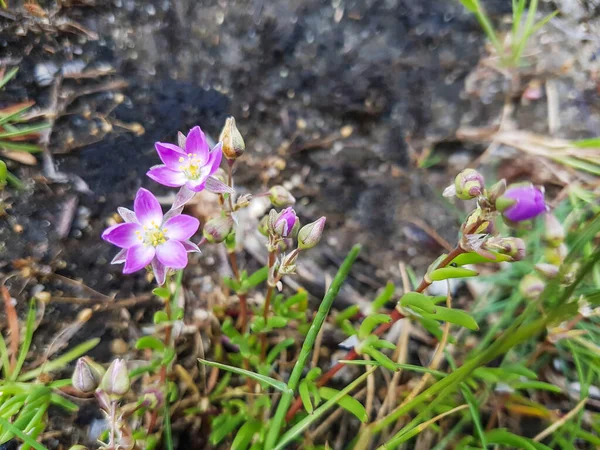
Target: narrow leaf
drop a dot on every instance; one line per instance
(418, 300)
(455, 316)
(150, 342)
(446, 273)
(347, 402)
(279, 385)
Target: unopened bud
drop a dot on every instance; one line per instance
(116, 379)
(478, 223)
(217, 229)
(521, 202)
(514, 247)
(548, 271)
(263, 226)
(233, 143)
(531, 287)
(280, 197)
(497, 190)
(556, 255)
(78, 447)
(87, 375)
(554, 233)
(310, 234)
(283, 224)
(469, 184)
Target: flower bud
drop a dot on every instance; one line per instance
(78, 447)
(310, 234)
(217, 229)
(496, 191)
(469, 184)
(282, 224)
(521, 202)
(87, 375)
(116, 379)
(531, 286)
(280, 197)
(263, 226)
(554, 233)
(233, 143)
(478, 223)
(556, 255)
(511, 246)
(548, 271)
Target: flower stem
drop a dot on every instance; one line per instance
(266, 308)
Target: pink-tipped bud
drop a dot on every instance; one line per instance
(217, 229)
(116, 382)
(282, 224)
(554, 233)
(548, 271)
(280, 197)
(263, 226)
(233, 143)
(531, 286)
(78, 447)
(310, 234)
(87, 375)
(469, 184)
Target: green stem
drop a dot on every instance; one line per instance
(307, 346)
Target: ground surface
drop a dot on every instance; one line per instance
(337, 98)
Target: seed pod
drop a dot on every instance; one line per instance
(233, 143)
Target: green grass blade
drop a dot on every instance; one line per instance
(13, 116)
(279, 385)
(4, 360)
(62, 360)
(167, 425)
(22, 131)
(29, 329)
(20, 147)
(307, 347)
(24, 437)
(8, 76)
(474, 410)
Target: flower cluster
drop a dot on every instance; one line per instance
(150, 238)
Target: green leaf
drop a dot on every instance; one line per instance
(231, 284)
(29, 329)
(347, 402)
(3, 174)
(379, 357)
(24, 437)
(150, 342)
(418, 300)
(279, 385)
(258, 277)
(224, 428)
(22, 131)
(539, 385)
(502, 436)
(160, 317)
(278, 348)
(456, 316)
(346, 314)
(470, 5)
(370, 322)
(276, 322)
(8, 76)
(245, 435)
(303, 390)
(20, 147)
(162, 292)
(446, 273)
(384, 297)
(476, 258)
(587, 143)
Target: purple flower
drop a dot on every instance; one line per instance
(521, 202)
(285, 222)
(148, 237)
(190, 164)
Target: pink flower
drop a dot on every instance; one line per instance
(284, 224)
(148, 237)
(521, 202)
(190, 164)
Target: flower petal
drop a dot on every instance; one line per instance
(127, 215)
(146, 207)
(123, 235)
(172, 254)
(196, 143)
(190, 247)
(170, 154)
(165, 176)
(181, 227)
(160, 271)
(172, 213)
(196, 185)
(138, 257)
(120, 257)
(215, 157)
(184, 195)
(217, 186)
